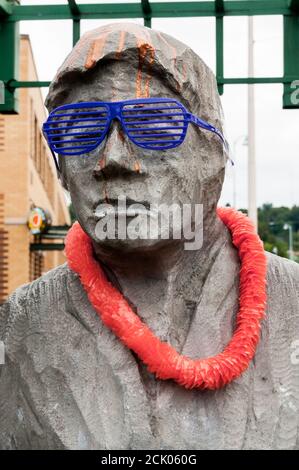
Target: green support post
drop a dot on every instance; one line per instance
(219, 7)
(76, 31)
(5, 7)
(291, 60)
(76, 15)
(9, 64)
(147, 13)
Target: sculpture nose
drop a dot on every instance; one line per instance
(114, 157)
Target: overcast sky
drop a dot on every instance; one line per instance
(276, 129)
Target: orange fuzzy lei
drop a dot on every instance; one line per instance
(160, 357)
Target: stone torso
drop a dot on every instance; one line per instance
(69, 383)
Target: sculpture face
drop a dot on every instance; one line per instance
(119, 168)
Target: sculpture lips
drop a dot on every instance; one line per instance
(127, 207)
(118, 212)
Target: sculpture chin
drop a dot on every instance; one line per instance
(127, 246)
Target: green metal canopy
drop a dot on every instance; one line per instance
(11, 13)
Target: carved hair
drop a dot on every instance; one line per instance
(153, 53)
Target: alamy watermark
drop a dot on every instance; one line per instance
(295, 93)
(151, 222)
(2, 353)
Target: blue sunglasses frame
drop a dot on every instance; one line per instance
(118, 110)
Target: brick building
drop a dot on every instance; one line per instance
(27, 179)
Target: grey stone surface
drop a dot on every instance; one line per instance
(68, 382)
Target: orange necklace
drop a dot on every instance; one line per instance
(160, 357)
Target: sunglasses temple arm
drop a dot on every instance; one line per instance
(205, 125)
(226, 145)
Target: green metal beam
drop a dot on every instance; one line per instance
(158, 10)
(294, 5)
(219, 6)
(291, 62)
(59, 228)
(13, 84)
(76, 15)
(75, 11)
(147, 13)
(5, 8)
(87, 11)
(219, 11)
(9, 64)
(11, 13)
(46, 246)
(221, 81)
(251, 80)
(76, 31)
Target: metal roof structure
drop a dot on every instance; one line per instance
(11, 13)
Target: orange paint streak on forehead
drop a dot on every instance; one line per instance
(121, 44)
(95, 41)
(95, 51)
(97, 46)
(78, 49)
(144, 50)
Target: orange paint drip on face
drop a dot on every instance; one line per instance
(136, 163)
(137, 166)
(144, 50)
(120, 44)
(78, 49)
(94, 52)
(97, 46)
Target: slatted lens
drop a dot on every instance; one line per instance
(76, 130)
(159, 125)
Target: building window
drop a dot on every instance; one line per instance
(36, 264)
(32, 130)
(35, 152)
(4, 238)
(38, 162)
(43, 163)
(49, 184)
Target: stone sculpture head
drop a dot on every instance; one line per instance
(121, 61)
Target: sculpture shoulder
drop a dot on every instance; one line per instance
(283, 271)
(283, 292)
(47, 290)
